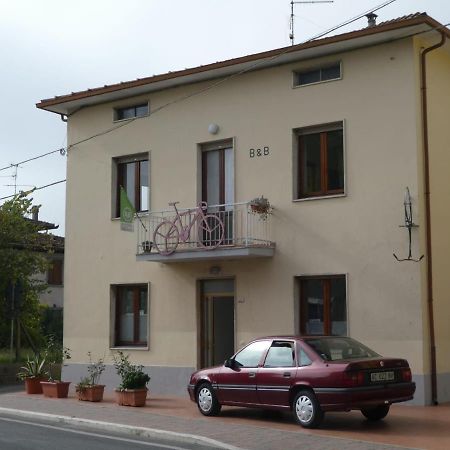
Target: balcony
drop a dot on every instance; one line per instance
(212, 233)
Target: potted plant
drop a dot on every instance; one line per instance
(56, 355)
(88, 388)
(261, 206)
(147, 246)
(133, 388)
(33, 372)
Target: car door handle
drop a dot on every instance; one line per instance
(252, 375)
(287, 374)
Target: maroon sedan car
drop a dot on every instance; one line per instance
(308, 375)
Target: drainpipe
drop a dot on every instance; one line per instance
(423, 91)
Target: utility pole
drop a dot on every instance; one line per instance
(291, 34)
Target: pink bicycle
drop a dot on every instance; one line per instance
(210, 230)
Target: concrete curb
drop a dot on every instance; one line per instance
(115, 427)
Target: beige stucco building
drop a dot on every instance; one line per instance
(331, 132)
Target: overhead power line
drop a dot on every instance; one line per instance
(349, 21)
(62, 151)
(35, 189)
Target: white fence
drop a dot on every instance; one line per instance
(218, 226)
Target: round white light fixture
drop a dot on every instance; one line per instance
(213, 128)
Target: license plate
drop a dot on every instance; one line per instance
(382, 376)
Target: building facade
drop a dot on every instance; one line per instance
(331, 132)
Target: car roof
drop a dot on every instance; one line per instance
(297, 337)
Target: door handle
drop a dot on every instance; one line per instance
(287, 374)
(252, 375)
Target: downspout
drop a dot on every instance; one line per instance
(423, 91)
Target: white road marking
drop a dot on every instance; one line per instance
(86, 433)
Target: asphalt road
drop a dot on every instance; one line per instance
(18, 434)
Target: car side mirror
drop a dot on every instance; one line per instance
(230, 363)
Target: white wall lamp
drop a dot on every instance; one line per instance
(213, 128)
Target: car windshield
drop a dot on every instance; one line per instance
(334, 349)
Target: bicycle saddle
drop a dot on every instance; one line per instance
(173, 203)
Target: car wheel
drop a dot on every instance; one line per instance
(377, 413)
(307, 410)
(207, 401)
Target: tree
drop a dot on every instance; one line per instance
(23, 254)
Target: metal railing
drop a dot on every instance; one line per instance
(239, 225)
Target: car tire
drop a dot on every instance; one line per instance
(207, 401)
(307, 410)
(377, 413)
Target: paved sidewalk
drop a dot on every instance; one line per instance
(406, 426)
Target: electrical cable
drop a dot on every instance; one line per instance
(63, 150)
(349, 21)
(22, 193)
(60, 150)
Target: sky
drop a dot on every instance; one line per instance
(55, 47)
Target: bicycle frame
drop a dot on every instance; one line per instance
(185, 230)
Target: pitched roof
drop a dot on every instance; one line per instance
(64, 104)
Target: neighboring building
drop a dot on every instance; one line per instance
(53, 296)
(331, 132)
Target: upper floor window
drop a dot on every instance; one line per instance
(327, 73)
(55, 273)
(131, 112)
(320, 158)
(133, 176)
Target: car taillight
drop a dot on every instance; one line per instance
(406, 375)
(352, 379)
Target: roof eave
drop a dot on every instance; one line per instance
(67, 104)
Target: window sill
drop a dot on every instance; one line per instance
(314, 83)
(321, 197)
(130, 118)
(130, 348)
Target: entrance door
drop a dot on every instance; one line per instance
(217, 322)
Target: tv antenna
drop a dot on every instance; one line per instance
(291, 34)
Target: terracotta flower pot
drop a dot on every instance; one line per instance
(91, 393)
(33, 385)
(131, 397)
(55, 389)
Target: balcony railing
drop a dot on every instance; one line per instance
(168, 234)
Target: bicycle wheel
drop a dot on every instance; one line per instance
(166, 238)
(210, 232)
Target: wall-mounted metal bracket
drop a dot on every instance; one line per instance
(409, 224)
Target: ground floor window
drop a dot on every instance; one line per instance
(131, 317)
(323, 305)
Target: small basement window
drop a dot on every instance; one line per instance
(131, 112)
(318, 75)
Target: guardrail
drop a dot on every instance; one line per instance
(203, 228)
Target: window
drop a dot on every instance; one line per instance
(336, 349)
(131, 315)
(304, 358)
(133, 175)
(280, 354)
(327, 73)
(131, 112)
(55, 273)
(323, 308)
(320, 162)
(251, 355)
